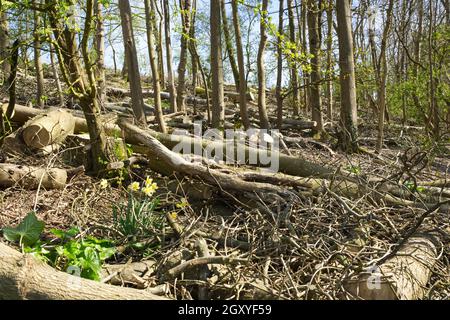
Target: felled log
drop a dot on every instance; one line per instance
(125, 108)
(47, 129)
(31, 177)
(296, 123)
(402, 277)
(175, 162)
(24, 277)
(119, 92)
(295, 166)
(234, 96)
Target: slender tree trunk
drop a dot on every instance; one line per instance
(306, 75)
(330, 65)
(150, 22)
(56, 76)
(158, 38)
(218, 109)
(280, 67)
(5, 66)
(382, 63)
(349, 119)
(417, 57)
(100, 48)
(263, 119)
(132, 62)
(172, 89)
(242, 90)
(433, 106)
(185, 6)
(194, 63)
(316, 78)
(229, 45)
(11, 84)
(293, 64)
(37, 59)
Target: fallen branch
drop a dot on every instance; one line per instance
(31, 177)
(24, 277)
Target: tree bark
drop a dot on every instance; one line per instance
(330, 64)
(31, 178)
(37, 58)
(132, 62)
(240, 59)
(293, 64)
(402, 277)
(172, 89)
(280, 68)
(24, 277)
(315, 100)
(5, 66)
(185, 6)
(228, 43)
(218, 108)
(382, 63)
(149, 17)
(100, 49)
(349, 118)
(263, 119)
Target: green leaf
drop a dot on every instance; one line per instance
(71, 233)
(27, 232)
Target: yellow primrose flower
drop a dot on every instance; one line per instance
(149, 190)
(134, 186)
(148, 181)
(103, 184)
(173, 215)
(183, 204)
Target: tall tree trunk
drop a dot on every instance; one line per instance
(349, 119)
(150, 22)
(81, 82)
(100, 48)
(242, 90)
(158, 27)
(293, 64)
(194, 63)
(263, 118)
(316, 78)
(433, 106)
(37, 59)
(330, 65)
(306, 75)
(185, 6)
(218, 109)
(382, 63)
(134, 76)
(56, 75)
(11, 83)
(417, 57)
(169, 59)
(280, 67)
(229, 45)
(5, 66)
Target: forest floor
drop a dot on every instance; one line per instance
(322, 241)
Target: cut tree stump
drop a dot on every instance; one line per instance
(48, 129)
(31, 178)
(24, 277)
(402, 277)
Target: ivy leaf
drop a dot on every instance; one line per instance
(27, 232)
